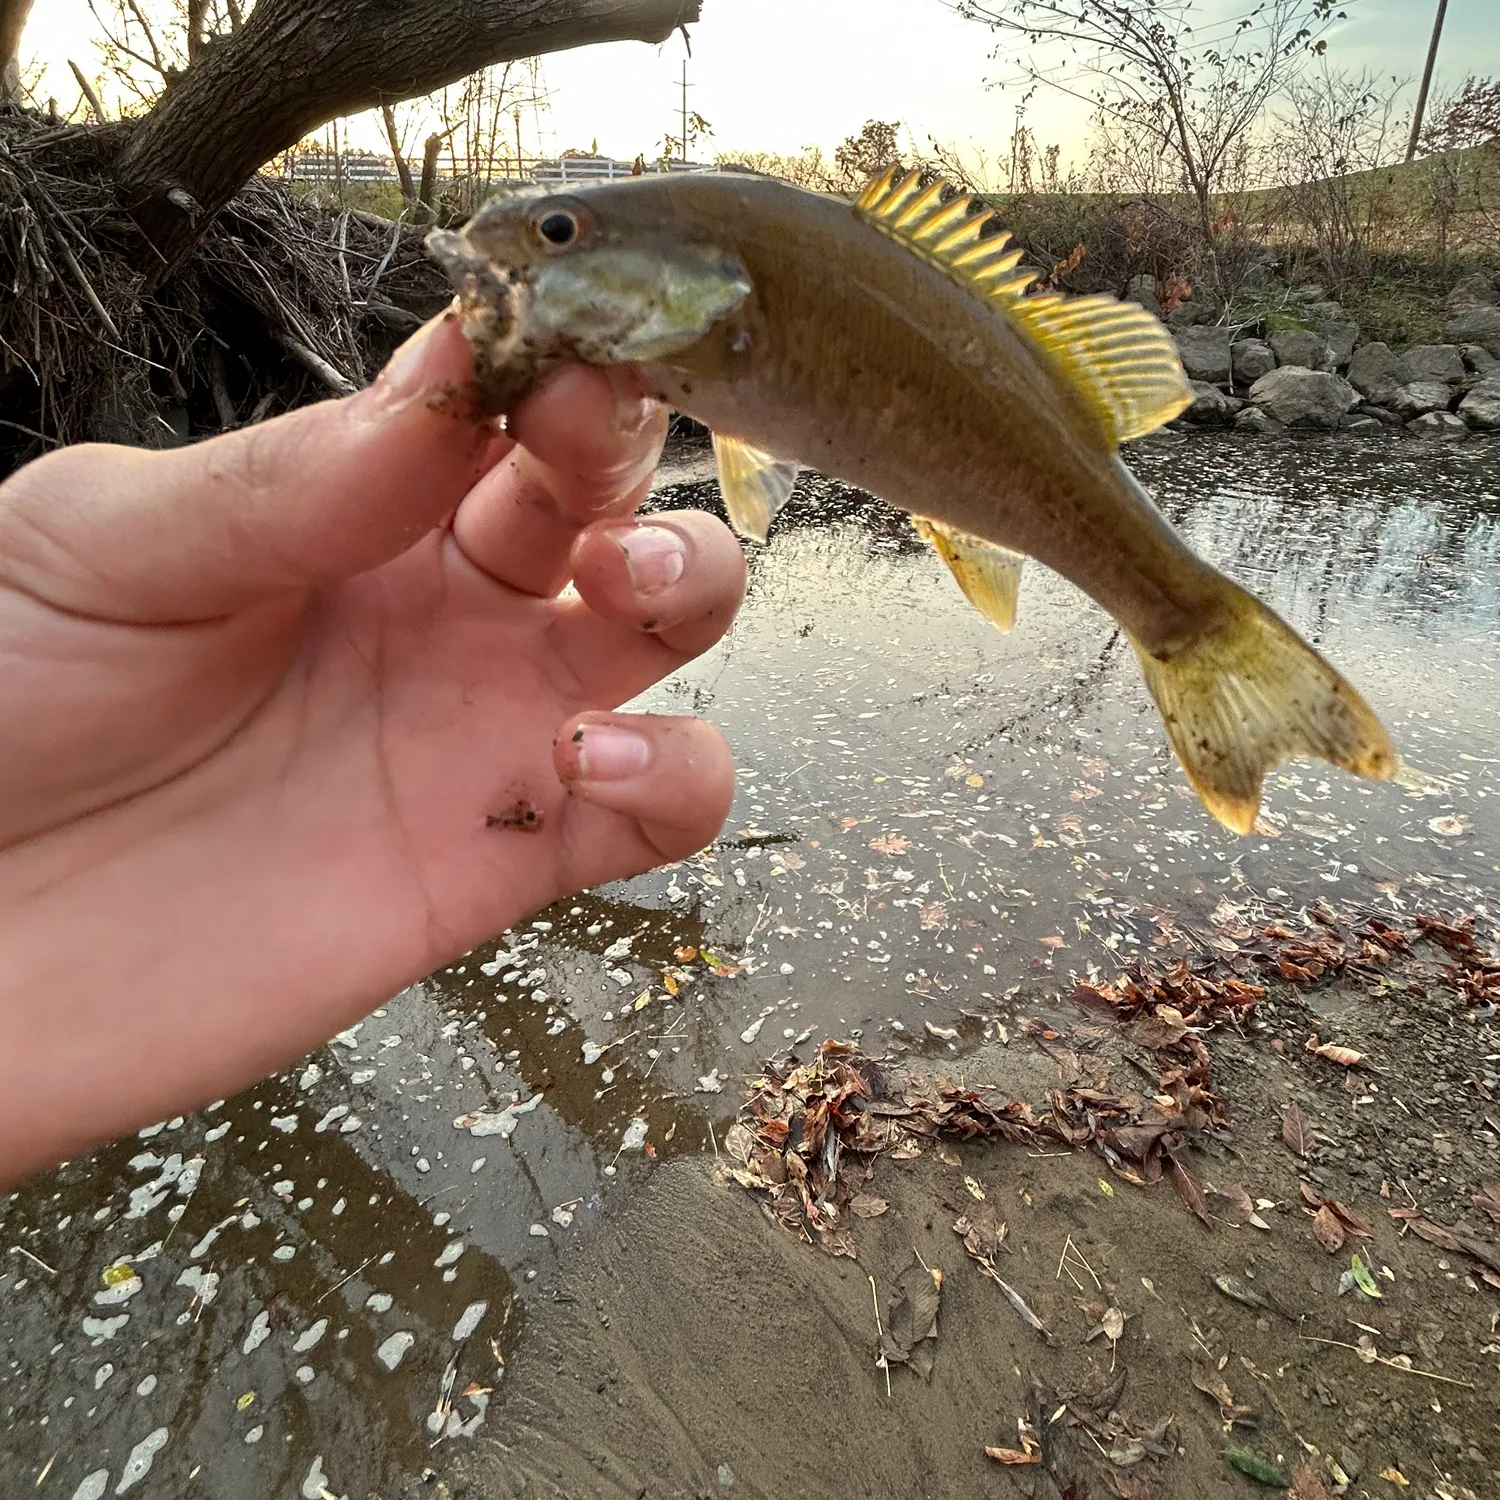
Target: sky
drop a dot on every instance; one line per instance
(777, 75)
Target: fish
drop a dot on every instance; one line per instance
(896, 343)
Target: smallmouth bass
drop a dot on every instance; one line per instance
(891, 344)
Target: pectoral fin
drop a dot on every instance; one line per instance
(755, 485)
(989, 574)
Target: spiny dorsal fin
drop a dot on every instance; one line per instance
(989, 574)
(755, 486)
(1120, 359)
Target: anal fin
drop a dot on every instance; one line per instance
(755, 486)
(989, 574)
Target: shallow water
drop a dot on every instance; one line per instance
(935, 827)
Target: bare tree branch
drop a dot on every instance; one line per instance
(296, 64)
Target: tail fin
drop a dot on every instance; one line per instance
(1250, 694)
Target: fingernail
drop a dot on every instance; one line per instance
(654, 557)
(407, 373)
(632, 409)
(609, 753)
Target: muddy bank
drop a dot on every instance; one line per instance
(934, 824)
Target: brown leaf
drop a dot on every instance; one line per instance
(867, 1206)
(1346, 1057)
(1295, 1130)
(1306, 1485)
(1437, 1234)
(1329, 1231)
(1189, 1190)
(890, 843)
(1352, 1222)
(1012, 1455)
(983, 1230)
(1310, 1195)
(1130, 1486)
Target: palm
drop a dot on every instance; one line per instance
(248, 813)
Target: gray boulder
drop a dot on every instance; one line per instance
(1190, 314)
(1342, 337)
(1476, 290)
(1434, 362)
(1479, 359)
(1319, 313)
(1253, 420)
(1299, 397)
(1420, 397)
(1481, 407)
(1204, 353)
(1302, 347)
(1309, 292)
(1357, 422)
(1211, 407)
(1385, 417)
(1251, 358)
(1475, 324)
(1438, 424)
(1143, 290)
(1376, 373)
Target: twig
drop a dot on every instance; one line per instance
(714, 1139)
(350, 1277)
(881, 1361)
(385, 259)
(46, 1469)
(314, 363)
(1392, 1364)
(22, 1250)
(88, 92)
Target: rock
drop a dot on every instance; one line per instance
(1475, 325)
(1204, 353)
(1359, 422)
(1476, 290)
(1319, 313)
(1376, 373)
(1252, 419)
(1143, 290)
(1251, 358)
(1342, 337)
(1481, 407)
(1211, 407)
(1299, 397)
(1441, 424)
(1302, 347)
(1385, 417)
(1434, 362)
(1420, 397)
(1190, 315)
(1309, 292)
(1479, 359)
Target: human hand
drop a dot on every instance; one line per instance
(296, 715)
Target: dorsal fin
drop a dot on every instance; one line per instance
(1120, 359)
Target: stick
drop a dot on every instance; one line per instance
(88, 92)
(881, 1360)
(350, 1277)
(1380, 1359)
(385, 259)
(334, 379)
(21, 1249)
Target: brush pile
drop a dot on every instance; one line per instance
(282, 302)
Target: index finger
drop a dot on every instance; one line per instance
(302, 500)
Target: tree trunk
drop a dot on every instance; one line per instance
(430, 153)
(297, 64)
(13, 15)
(393, 135)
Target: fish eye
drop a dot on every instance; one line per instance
(558, 228)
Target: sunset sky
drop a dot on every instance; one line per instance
(780, 74)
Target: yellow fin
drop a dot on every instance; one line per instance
(755, 485)
(1120, 359)
(1250, 694)
(989, 574)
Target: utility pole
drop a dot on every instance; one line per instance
(1421, 109)
(685, 109)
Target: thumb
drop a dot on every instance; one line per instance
(307, 498)
(646, 790)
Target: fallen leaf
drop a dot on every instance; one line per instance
(1488, 1199)
(912, 1318)
(1189, 1190)
(867, 1206)
(1012, 1455)
(1113, 1324)
(1346, 1057)
(1396, 1477)
(1262, 1470)
(1295, 1130)
(1306, 1485)
(1329, 1230)
(983, 1231)
(245, 1401)
(975, 1191)
(1054, 942)
(1362, 1278)
(1450, 828)
(891, 843)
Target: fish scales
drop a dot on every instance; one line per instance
(890, 343)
